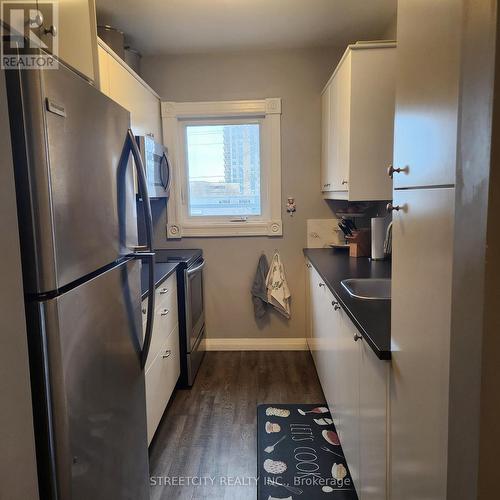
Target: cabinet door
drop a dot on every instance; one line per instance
(309, 324)
(347, 405)
(341, 106)
(76, 33)
(161, 378)
(421, 304)
(427, 72)
(315, 298)
(144, 106)
(373, 87)
(325, 139)
(373, 431)
(321, 327)
(103, 71)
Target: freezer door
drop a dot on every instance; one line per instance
(77, 210)
(89, 344)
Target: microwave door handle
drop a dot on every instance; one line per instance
(162, 173)
(168, 169)
(196, 269)
(149, 253)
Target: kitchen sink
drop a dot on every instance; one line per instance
(368, 288)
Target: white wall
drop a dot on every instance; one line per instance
(297, 76)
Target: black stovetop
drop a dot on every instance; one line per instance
(184, 257)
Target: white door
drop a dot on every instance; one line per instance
(342, 125)
(144, 106)
(76, 33)
(421, 299)
(347, 406)
(325, 139)
(373, 402)
(427, 75)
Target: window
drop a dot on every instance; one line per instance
(227, 168)
(223, 165)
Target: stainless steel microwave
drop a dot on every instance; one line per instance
(157, 166)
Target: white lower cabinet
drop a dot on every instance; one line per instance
(161, 378)
(355, 383)
(163, 363)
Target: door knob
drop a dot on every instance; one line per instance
(164, 312)
(167, 354)
(52, 30)
(345, 182)
(357, 337)
(36, 19)
(144, 310)
(391, 170)
(390, 207)
(163, 291)
(335, 305)
(321, 284)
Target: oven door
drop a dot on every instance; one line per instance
(195, 310)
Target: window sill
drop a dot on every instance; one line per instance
(227, 229)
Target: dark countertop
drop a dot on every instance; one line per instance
(162, 271)
(371, 317)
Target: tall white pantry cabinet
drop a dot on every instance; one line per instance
(425, 159)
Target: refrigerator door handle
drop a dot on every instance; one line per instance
(149, 252)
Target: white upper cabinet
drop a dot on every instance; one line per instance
(358, 124)
(76, 33)
(123, 85)
(428, 73)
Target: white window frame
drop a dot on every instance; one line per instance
(175, 117)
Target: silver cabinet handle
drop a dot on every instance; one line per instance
(167, 354)
(326, 185)
(345, 182)
(391, 170)
(321, 284)
(357, 337)
(52, 30)
(144, 310)
(164, 312)
(163, 291)
(390, 207)
(308, 266)
(335, 305)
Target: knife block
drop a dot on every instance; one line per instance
(359, 243)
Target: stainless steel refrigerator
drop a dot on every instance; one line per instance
(81, 271)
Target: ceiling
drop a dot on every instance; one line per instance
(191, 26)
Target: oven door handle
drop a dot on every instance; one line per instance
(193, 270)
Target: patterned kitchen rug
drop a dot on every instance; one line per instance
(299, 455)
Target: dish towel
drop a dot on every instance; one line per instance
(278, 293)
(259, 288)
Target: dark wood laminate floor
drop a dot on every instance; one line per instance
(209, 432)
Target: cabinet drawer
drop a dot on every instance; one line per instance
(166, 291)
(161, 378)
(166, 317)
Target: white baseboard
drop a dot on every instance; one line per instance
(290, 344)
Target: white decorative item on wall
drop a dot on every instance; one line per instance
(291, 206)
(321, 233)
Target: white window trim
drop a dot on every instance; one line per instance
(173, 116)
